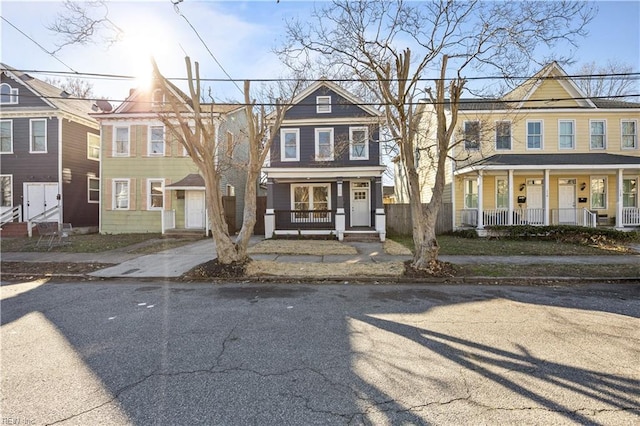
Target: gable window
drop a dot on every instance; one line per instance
(503, 135)
(6, 186)
(121, 194)
(38, 135)
(311, 203)
(599, 193)
(597, 131)
(323, 104)
(155, 194)
(630, 192)
(324, 144)
(472, 135)
(358, 143)
(566, 134)
(121, 142)
(290, 145)
(502, 194)
(629, 134)
(157, 98)
(93, 146)
(93, 190)
(470, 194)
(156, 140)
(6, 136)
(534, 134)
(8, 94)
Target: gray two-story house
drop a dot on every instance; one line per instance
(49, 153)
(325, 175)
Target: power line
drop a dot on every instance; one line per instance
(38, 44)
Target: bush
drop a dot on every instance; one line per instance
(568, 234)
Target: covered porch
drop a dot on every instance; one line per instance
(189, 210)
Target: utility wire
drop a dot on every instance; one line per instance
(38, 44)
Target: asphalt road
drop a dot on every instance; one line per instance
(171, 353)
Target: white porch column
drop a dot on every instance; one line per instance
(480, 201)
(340, 215)
(510, 197)
(547, 209)
(619, 200)
(269, 215)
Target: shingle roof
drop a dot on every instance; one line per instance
(192, 180)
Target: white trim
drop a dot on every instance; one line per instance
(573, 134)
(283, 132)
(526, 135)
(300, 173)
(605, 186)
(604, 134)
(89, 179)
(538, 167)
(46, 141)
(148, 193)
(13, 95)
(321, 106)
(367, 189)
(324, 121)
(464, 133)
(114, 150)
(10, 176)
(495, 145)
(150, 128)
(11, 131)
(626, 120)
(366, 142)
(114, 195)
(89, 136)
(311, 201)
(317, 144)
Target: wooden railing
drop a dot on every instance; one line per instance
(577, 217)
(11, 215)
(630, 216)
(168, 220)
(45, 216)
(304, 219)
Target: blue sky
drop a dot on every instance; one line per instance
(241, 35)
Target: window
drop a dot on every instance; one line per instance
(323, 104)
(502, 194)
(6, 137)
(290, 145)
(324, 144)
(157, 98)
(310, 197)
(121, 194)
(598, 193)
(358, 143)
(566, 134)
(503, 135)
(472, 135)
(155, 194)
(93, 146)
(470, 194)
(93, 185)
(597, 130)
(629, 134)
(38, 135)
(534, 134)
(6, 190)
(156, 140)
(121, 142)
(8, 94)
(630, 192)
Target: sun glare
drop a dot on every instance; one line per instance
(141, 45)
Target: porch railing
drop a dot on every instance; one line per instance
(500, 217)
(577, 217)
(11, 215)
(630, 216)
(45, 216)
(304, 219)
(168, 220)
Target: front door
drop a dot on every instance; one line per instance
(194, 209)
(567, 204)
(535, 210)
(360, 212)
(40, 197)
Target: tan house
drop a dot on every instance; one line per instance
(149, 183)
(543, 154)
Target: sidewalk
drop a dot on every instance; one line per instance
(175, 262)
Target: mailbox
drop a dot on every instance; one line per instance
(522, 199)
(582, 199)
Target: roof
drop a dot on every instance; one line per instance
(54, 96)
(191, 181)
(573, 159)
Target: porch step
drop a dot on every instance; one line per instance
(361, 236)
(184, 233)
(14, 229)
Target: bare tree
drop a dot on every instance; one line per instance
(392, 47)
(73, 86)
(611, 80)
(197, 132)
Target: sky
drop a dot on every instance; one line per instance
(240, 35)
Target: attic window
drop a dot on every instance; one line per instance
(8, 94)
(157, 99)
(323, 104)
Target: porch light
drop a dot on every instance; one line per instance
(583, 185)
(522, 187)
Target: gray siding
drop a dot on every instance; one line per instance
(26, 98)
(340, 107)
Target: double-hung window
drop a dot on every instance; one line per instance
(470, 194)
(310, 203)
(121, 194)
(156, 140)
(93, 146)
(323, 104)
(630, 192)
(8, 94)
(566, 134)
(358, 143)
(534, 134)
(472, 135)
(6, 187)
(597, 129)
(6, 136)
(38, 135)
(324, 144)
(598, 193)
(629, 134)
(290, 145)
(155, 194)
(503, 135)
(121, 142)
(502, 194)
(93, 190)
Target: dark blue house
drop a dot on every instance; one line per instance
(325, 171)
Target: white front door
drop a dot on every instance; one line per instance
(194, 209)
(567, 204)
(360, 212)
(40, 197)
(535, 210)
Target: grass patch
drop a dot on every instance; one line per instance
(547, 270)
(89, 243)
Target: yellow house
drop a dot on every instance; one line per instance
(543, 154)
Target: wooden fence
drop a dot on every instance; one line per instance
(399, 219)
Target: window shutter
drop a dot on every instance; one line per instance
(134, 132)
(107, 141)
(107, 200)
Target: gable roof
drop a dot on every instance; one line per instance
(337, 89)
(55, 97)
